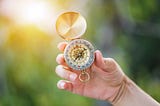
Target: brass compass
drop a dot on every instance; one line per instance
(79, 53)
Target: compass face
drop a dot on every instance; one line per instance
(79, 54)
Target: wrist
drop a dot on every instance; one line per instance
(129, 94)
(121, 91)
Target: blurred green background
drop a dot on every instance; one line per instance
(126, 30)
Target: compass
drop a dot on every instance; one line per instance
(79, 53)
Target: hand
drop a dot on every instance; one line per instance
(106, 77)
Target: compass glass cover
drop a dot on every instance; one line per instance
(79, 54)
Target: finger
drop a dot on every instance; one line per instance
(107, 64)
(60, 60)
(66, 85)
(66, 74)
(61, 46)
(99, 61)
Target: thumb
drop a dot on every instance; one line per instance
(99, 61)
(107, 64)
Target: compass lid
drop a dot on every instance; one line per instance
(71, 25)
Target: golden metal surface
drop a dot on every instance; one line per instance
(71, 25)
(84, 76)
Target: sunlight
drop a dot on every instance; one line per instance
(35, 12)
(38, 13)
(26, 11)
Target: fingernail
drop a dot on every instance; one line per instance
(98, 52)
(59, 59)
(61, 85)
(73, 77)
(58, 46)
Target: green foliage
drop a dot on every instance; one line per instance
(28, 74)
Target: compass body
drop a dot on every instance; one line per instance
(79, 54)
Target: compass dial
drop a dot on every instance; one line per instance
(79, 54)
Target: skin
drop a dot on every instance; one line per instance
(107, 82)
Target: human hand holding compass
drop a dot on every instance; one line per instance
(85, 70)
(102, 77)
(106, 77)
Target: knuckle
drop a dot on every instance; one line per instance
(111, 60)
(111, 63)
